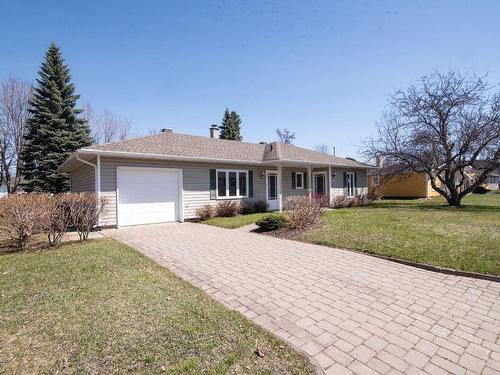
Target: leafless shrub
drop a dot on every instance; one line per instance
(322, 199)
(59, 217)
(85, 209)
(343, 201)
(260, 206)
(339, 201)
(22, 216)
(246, 208)
(205, 212)
(302, 212)
(227, 208)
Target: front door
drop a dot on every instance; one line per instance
(320, 183)
(272, 190)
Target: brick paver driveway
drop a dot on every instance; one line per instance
(352, 313)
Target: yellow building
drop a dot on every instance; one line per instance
(411, 185)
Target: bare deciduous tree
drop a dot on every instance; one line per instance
(324, 149)
(441, 126)
(15, 96)
(107, 126)
(285, 136)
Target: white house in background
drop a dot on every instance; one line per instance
(3, 190)
(168, 176)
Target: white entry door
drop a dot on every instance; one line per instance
(148, 195)
(272, 190)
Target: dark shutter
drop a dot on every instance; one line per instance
(213, 184)
(294, 186)
(345, 183)
(250, 184)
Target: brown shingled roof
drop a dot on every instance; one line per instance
(183, 145)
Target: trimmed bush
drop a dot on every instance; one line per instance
(227, 208)
(25, 215)
(302, 212)
(85, 209)
(59, 218)
(260, 206)
(22, 216)
(271, 222)
(206, 212)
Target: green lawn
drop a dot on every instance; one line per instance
(235, 221)
(103, 308)
(424, 231)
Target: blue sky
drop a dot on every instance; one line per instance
(323, 69)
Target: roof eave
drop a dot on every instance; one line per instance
(140, 155)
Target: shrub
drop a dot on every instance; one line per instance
(85, 209)
(359, 200)
(339, 201)
(322, 199)
(23, 215)
(260, 206)
(302, 212)
(227, 208)
(271, 222)
(205, 212)
(481, 189)
(59, 217)
(246, 208)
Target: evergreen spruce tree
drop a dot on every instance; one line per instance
(230, 128)
(54, 130)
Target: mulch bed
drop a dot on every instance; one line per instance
(288, 233)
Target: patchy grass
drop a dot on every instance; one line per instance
(237, 221)
(103, 308)
(424, 231)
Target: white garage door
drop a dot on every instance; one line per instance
(148, 195)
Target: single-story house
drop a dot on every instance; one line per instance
(492, 181)
(408, 185)
(168, 176)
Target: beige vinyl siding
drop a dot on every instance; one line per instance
(287, 183)
(196, 183)
(83, 179)
(337, 181)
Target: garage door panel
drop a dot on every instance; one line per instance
(147, 195)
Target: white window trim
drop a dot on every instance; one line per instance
(297, 187)
(226, 171)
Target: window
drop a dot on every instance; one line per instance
(221, 184)
(243, 184)
(351, 187)
(299, 180)
(232, 184)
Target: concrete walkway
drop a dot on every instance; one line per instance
(352, 313)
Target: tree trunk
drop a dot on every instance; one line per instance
(454, 199)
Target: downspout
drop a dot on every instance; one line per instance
(97, 177)
(95, 170)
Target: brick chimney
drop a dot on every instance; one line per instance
(214, 131)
